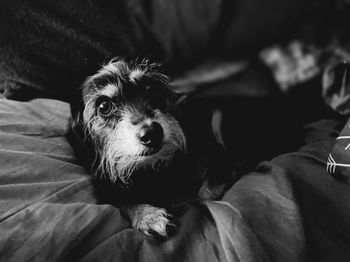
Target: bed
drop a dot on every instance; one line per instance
(290, 200)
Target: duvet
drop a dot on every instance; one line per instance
(288, 209)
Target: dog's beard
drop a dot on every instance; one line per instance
(120, 154)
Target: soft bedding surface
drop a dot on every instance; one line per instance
(288, 209)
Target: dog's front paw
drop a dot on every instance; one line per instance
(151, 220)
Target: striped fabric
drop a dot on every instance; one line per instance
(338, 163)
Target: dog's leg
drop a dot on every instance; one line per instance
(150, 220)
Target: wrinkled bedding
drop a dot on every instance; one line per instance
(288, 209)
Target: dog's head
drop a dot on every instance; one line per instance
(128, 120)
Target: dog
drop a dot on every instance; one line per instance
(130, 132)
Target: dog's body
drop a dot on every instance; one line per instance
(137, 146)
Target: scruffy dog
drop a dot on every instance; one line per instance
(133, 138)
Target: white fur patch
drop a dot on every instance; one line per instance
(109, 90)
(115, 67)
(149, 219)
(136, 74)
(122, 153)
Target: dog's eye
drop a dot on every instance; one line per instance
(105, 107)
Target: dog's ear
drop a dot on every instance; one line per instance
(76, 135)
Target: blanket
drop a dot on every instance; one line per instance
(287, 209)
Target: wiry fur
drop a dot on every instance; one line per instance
(118, 152)
(139, 95)
(158, 218)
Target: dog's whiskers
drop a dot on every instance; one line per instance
(119, 151)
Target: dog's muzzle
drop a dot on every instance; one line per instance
(151, 136)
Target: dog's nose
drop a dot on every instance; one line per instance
(151, 135)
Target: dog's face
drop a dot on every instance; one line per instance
(129, 116)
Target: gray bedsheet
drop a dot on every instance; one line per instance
(289, 209)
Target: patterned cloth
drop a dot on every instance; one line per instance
(336, 93)
(292, 64)
(336, 87)
(297, 63)
(338, 163)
